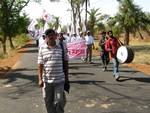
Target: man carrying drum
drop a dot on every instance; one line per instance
(112, 45)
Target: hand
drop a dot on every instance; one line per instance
(41, 83)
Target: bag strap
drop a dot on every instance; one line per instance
(65, 63)
(63, 53)
(121, 43)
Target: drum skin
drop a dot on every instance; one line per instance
(125, 54)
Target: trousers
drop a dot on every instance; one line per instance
(54, 97)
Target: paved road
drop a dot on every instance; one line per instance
(92, 90)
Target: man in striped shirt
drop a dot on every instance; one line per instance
(51, 73)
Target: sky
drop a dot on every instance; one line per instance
(62, 8)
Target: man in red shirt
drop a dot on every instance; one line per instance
(112, 46)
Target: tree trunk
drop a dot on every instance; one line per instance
(147, 30)
(140, 34)
(79, 16)
(86, 14)
(126, 39)
(4, 48)
(74, 23)
(11, 43)
(74, 16)
(4, 45)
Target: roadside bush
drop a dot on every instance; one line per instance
(21, 40)
(18, 42)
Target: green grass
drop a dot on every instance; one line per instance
(141, 50)
(21, 40)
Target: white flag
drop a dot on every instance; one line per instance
(47, 17)
(31, 26)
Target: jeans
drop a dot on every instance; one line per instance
(54, 97)
(115, 66)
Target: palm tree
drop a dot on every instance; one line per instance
(93, 19)
(73, 4)
(131, 18)
(76, 7)
(41, 22)
(56, 23)
(86, 11)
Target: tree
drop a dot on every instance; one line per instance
(9, 10)
(17, 25)
(86, 11)
(131, 19)
(73, 4)
(41, 22)
(56, 23)
(79, 11)
(93, 19)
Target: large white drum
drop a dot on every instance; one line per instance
(125, 54)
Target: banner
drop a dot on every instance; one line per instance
(76, 49)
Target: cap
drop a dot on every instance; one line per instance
(88, 31)
(81, 32)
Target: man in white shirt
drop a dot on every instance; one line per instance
(89, 41)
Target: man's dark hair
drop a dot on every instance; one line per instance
(49, 32)
(110, 31)
(103, 32)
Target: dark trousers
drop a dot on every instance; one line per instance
(105, 58)
(89, 53)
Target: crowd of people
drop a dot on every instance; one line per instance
(53, 63)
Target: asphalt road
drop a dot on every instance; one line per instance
(92, 90)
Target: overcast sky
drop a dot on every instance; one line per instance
(109, 7)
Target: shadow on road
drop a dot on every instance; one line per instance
(30, 46)
(15, 75)
(81, 73)
(29, 51)
(126, 71)
(139, 79)
(86, 82)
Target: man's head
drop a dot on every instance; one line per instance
(50, 36)
(61, 36)
(81, 33)
(49, 32)
(88, 33)
(110, 34)
(103, 33)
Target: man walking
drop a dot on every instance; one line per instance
(51, 74)
(112, 46)
(103, 53)
(89, 41)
